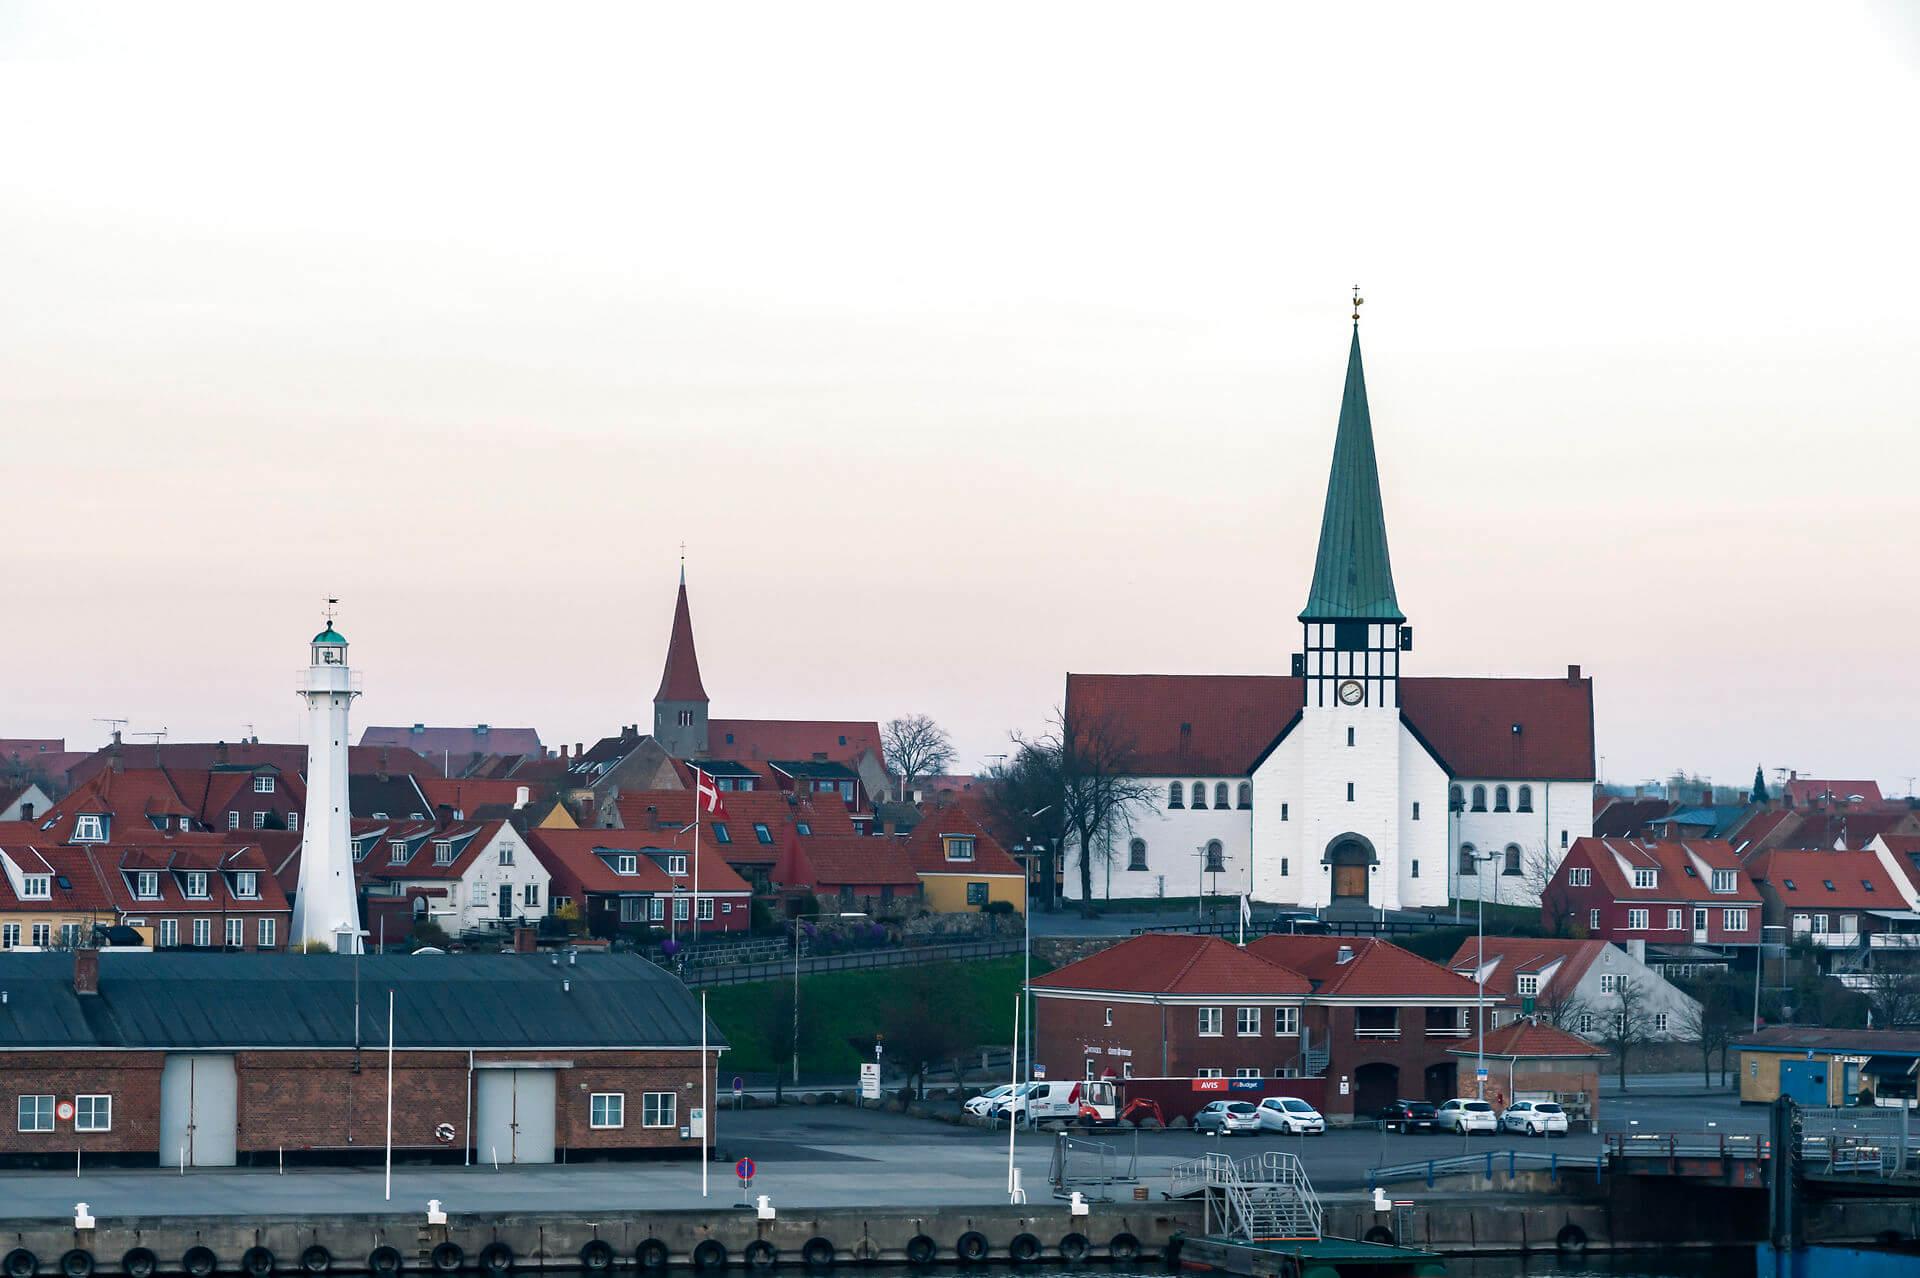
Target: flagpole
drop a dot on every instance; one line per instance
(706, 1110)
(695, 934)
(389, 1095)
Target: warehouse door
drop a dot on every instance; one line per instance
(198, 1111)
(515, 1121)
(1804, 1082)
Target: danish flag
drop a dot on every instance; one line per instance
(707, 795)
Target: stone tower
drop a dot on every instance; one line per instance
(680, 706)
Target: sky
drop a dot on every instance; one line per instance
(961, 346)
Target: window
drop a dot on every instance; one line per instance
(1500, 798)
(720, 832)
(506, 854)
(1828, 883)
(1609, 982)
(1525, 801)
(167, 934)
(703, 910)
(246, 884)
(233, 820)
(1376, 1022)
(1199, 795)
(1349, 792)
(626, 863)
(1563, 838)
(607, 1109)
(70, 933)
(36, 887)
(1246, 1021)
(93, 1113)
(1137, 855)
(1244, 801)
(1283, 867)
(263, 785)
(761, 832)
(196, 884)
(1527, 983)
(89, 828)
(1245, 1072)
(397, 852)
(1416, 810)
(1637, 920)
(1176, 795)
(1510, 861)
(1283, 812)
(36, 1113)
(9, 936)
(236, 934)
(959, 847)
(43, 932)
(676, 864)
(1593, 920)
(657, 908)
(1673, 920)
(1286, 1021)
(680, 909)
(977, 894)
(1210, 1022)
(1819, 925)
(1456, 798)
(203, 932)
(530, 898)
(656, 1109)
(1734, 920)
(1479, 798)
(1220, 795)
(1580, 876)
(259, 820)
(264, 934)
(1415, 868)
(443, 851)
(686, 718)
(1469, 859)
(359, 850)
(1349, 736)
(1207, 1073)
(1724, 880)
(1646, 877)
(1216, 857)
(1660, 1022)
(1586, 1022)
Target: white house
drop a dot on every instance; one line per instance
(466, 876)
(1348, 780)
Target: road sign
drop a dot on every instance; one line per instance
(444, 1133)
(1039, 1070)
(870, 1080)
(738, 1087)
(63, 1111)
(744, 1169)
(1481, 1073)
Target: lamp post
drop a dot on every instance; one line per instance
(1480, 981)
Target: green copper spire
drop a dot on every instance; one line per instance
(1352, 576)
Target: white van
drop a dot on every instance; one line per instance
(1069, 1100)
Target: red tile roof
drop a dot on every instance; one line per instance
(1754, 831)
(1526, 1040)
(1831, 828)
(1801, 880)
(1624, 817)
(750, 740)
(1222, 724)
(468, 838)
(1806, 791)
(826, 862)
(1172, 963)
(437, 744)
(570, 856)
(1376, 968)
(927, 851)
(115, 863)
(1506, 957)
(468, 795)
(680, 678)
(1614, 860)
(661, 813)
(1905, 849)
(84, 890)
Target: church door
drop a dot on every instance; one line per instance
(1350, 880)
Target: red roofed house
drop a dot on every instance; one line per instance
(623, 880)
(49, 894)
(465, 876)
(1575, 985)
(195, 892)
(1349, 780)
(1668, 892)
(861, 872)
(1527, 1061)
(1806, 792)
(1832, 899)
(961, 866)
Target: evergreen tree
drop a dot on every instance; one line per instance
(1759, 785)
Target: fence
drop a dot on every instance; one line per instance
(743, 973)
(1487, 1165)
(1315, 927)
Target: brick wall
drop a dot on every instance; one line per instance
(131, 1078)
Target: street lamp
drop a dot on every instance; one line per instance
(1480, 980)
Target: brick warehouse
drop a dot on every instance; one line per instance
(214, 1059)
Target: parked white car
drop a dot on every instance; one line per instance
(983, 1104)
(1535, 1118)
(1467, 1117)
(1227, 1118)
(1010, 1103)
(1291, 1114)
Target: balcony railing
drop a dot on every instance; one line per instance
(1362, 1032)
(1447, 1031)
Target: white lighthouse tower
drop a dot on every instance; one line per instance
(327, 908)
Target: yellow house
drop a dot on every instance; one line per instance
(962, 867)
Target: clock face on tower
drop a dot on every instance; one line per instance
(1351, 692)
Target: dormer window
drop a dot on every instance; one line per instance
(443, 851)
(1724, 880)
(36, 887)
(720, 832)
(233, 819)
(959, 847)
(397, 852)
(90, 827)
(359, 850)
(146, 885)
(626, 863)
(246, 884)
(263, 785)
(1527, 983)
(1645, 877)
(185, 824)
(677, 864)
(196, 884)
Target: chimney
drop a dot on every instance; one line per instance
(1573, 674)
(220, 751)
(1706, 797)
(1344, 954)
(86, 971)
(443, 814)
(579, 749)
(523, 938)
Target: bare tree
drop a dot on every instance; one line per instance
(917, 747)
(1559, 911)
(1628, 1024)
(1713, 1019)
(1086, 765)
(1023, 794)
(1893, 998)
(1561, 1006)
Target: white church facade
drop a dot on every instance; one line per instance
(1349, 780)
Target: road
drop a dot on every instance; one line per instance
(808, 1156)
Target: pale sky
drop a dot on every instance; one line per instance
(963, 346)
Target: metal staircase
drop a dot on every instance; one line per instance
(1264, 1198)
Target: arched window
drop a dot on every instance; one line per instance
(1456, 798)
(1469, 860)
(1511, 862)
(1246, 794)
(1176, 795)
(1526, 799)
(1216, 857)
(1499, 798)
(1479, 798)
(1199, 794)
(1220, 795)
(1137, 855)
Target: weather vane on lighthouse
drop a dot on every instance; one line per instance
(1358, 302)
(333, 607)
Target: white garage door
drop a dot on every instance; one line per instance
(198, 1108)
(514, 1120)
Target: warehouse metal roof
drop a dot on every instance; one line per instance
(209, 1001)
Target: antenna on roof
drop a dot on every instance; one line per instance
(158, 737)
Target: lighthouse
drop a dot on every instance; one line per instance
(327, 909)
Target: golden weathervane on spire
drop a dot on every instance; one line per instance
(1358, 302)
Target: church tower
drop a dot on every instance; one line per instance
(680, 706)
(327, 906)
(1353, 633)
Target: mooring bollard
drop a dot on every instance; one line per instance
(82, 1217)
(763, 1209)
(435, 1216)
(1077, 1205)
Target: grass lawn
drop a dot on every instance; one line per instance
(838, 1006)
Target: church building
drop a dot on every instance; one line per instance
(1351, 780)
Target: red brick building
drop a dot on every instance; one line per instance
(1661, 891)
(213, 1060)
(631, 878)
(1373, 1021)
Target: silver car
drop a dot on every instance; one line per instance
(1227, 1118)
